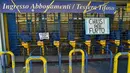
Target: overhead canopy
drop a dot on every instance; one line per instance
(41, 6)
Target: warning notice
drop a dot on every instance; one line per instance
(44, 35)
(95, 26)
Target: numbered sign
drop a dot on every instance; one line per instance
(44, 35)
(95, 26)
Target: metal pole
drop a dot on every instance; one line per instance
(59, 58)
(2, 32)
(86, 63)
(111, 58)
(3, 42)
(4, 65)
(1, 70)
(1, 46)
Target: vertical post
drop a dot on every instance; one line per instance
(4, 65)
(103, 43)
(0, 45)
(87, 37)
(129, 44)
(111, 58)
(117, 42)
(86, 63)
(57, 44)
(1, 70)
(2, 36)
(88, 43)
(26, 46)
(41, 44)
(6, 35)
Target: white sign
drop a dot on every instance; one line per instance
(95, 26)
(44, 35)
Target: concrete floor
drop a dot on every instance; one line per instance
(93, 67)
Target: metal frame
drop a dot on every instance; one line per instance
(13, 58)
(36, 58)
(116, 61)
(83, 60)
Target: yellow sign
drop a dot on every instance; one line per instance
(128, 7)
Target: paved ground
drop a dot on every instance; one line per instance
(93, 67)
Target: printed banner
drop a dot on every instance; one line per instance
(39, 6)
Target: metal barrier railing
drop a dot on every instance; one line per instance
(13, 58)
(36, 58)
(83, 60)
(116, 61)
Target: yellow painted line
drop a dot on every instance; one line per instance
(15, 5)
(87, 5)
(49, 6)
(115, 12)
